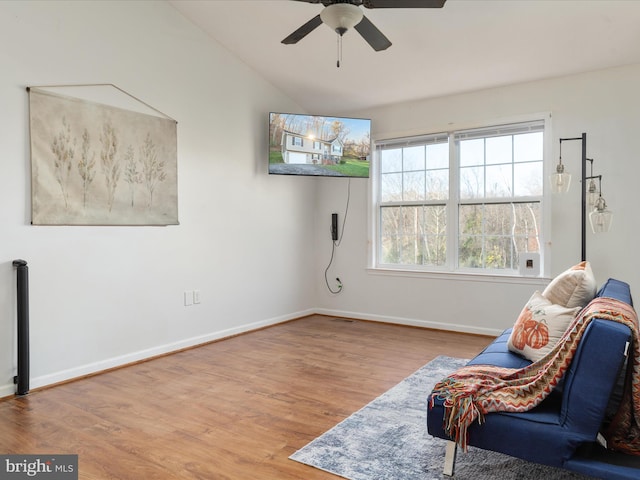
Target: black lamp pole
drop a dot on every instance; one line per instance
(583, 187)
(583, 217)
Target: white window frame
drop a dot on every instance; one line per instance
(451, 270)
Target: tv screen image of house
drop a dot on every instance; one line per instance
(318, 145)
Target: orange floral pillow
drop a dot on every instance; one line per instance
(575, 287)
(539, 327)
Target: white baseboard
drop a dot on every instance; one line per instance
(96, 367)
(6, 390)
(452, 327)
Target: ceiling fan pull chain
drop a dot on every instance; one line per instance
(339, 53)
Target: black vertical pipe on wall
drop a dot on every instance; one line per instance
(22, 379)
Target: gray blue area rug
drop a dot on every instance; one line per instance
(388, 440)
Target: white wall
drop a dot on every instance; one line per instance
(604, 104)
(102, 296)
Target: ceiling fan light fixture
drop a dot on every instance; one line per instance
(340, 17)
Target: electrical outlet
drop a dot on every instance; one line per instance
(196, 296)
(188, 298)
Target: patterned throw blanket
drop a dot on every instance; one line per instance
(473, 391)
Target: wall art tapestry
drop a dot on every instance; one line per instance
(98, 164)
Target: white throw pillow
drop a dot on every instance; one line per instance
(575, 287)
(539, 327)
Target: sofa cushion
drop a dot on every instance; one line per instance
(539, 327)
(497, 353)
(574, 287)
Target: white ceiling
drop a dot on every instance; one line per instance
(467, 45)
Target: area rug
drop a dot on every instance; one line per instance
(388, 440)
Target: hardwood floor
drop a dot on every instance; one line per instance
(234, 409)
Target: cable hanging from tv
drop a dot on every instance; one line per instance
(336, 239)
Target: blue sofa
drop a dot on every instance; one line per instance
(562, 431)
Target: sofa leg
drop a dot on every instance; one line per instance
(450, 458)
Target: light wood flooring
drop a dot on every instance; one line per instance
(234, 409)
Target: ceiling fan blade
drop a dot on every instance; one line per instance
(372, 35)
(403, 3)
(303, 31)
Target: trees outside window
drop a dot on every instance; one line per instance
(461, 201)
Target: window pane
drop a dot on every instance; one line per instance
(527, 221)
(471, 152)
(434, 250)
(470, 251)
(494, 252)
(527, 179)
(409, 250)
(391, 160)
(389, 229)
(413, 158)
(498, 219)
(470, 219)
(491, 235)
(390, 250)
(427, 250)
(413, 186)
(412, 220)
(522, 246)
(435, 218)
(498, 150)
(499, 181)
(414, 235)
(391, 187)
(428, 245)
(498, 253)
(528, 147)
(390, 221)
(437, 184)
(471, 182)
(438, 155)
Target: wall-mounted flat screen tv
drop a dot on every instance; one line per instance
(318, 145)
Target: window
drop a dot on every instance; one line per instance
(296, 141)
(461, 201)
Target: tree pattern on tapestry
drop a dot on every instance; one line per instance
(133, 154)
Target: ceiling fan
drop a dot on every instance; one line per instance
(341, 15)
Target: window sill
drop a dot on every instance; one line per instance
(459, 276)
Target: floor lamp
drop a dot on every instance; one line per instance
(600, 217)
